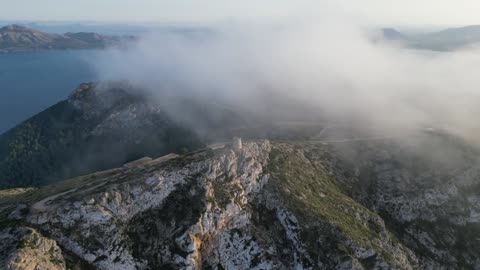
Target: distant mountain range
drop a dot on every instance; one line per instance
(17, 38)
(445, 40)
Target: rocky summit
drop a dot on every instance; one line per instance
(258, 204)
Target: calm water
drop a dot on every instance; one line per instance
(31, 82)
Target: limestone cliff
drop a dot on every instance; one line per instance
(262, 206)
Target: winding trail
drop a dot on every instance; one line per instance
(41, 206)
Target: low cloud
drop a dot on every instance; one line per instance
(328, 70)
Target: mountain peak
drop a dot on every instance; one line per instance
(15, 28)
(392, 34)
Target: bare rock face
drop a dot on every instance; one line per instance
(262, 206)
(426, 191)
(198, 203)
(28, 250)
(217, 209)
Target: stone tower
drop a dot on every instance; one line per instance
(237, 143)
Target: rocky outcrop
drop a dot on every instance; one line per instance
(198, 206)
(263, 205)
(23, 248)
(425, 190)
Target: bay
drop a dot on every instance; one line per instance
(33, 81)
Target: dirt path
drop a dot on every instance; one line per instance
(41, 206)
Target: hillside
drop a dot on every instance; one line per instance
(444, 40)
(266, 205)
(100, 126)
(91, 130)
(16, 38)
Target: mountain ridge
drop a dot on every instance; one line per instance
(257, 205)
(104, 125)
(342, 199)
(17, 38)
(79, 135)
(449, 39)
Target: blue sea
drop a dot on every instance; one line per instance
(31, 82)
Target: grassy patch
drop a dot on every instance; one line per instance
(312, 194)
(224, 192)
(26, 244)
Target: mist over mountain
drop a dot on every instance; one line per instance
(319, 144)
(392, 34)
(337, 75)
(446, 40)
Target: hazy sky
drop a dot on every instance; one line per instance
(379, 12)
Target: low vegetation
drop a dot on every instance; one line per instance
(312, 193)
(60, 143)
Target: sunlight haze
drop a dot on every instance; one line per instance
(409, 12)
